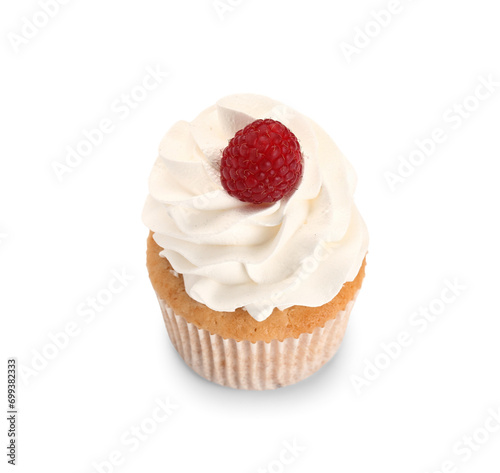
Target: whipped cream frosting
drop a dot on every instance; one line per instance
(297, 251)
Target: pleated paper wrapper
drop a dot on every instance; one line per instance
(260, 365)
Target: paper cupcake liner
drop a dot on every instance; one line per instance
(260, 365)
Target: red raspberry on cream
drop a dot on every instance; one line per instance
(262, 163)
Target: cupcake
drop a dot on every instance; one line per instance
(256, 250)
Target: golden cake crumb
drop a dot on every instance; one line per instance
(240, 325)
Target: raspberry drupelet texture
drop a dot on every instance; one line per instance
(262, 163)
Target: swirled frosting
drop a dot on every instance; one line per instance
(297, 251)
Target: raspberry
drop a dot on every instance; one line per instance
(262, 163)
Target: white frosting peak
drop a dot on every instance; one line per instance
(297, 251)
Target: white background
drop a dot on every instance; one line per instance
(60, 241)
